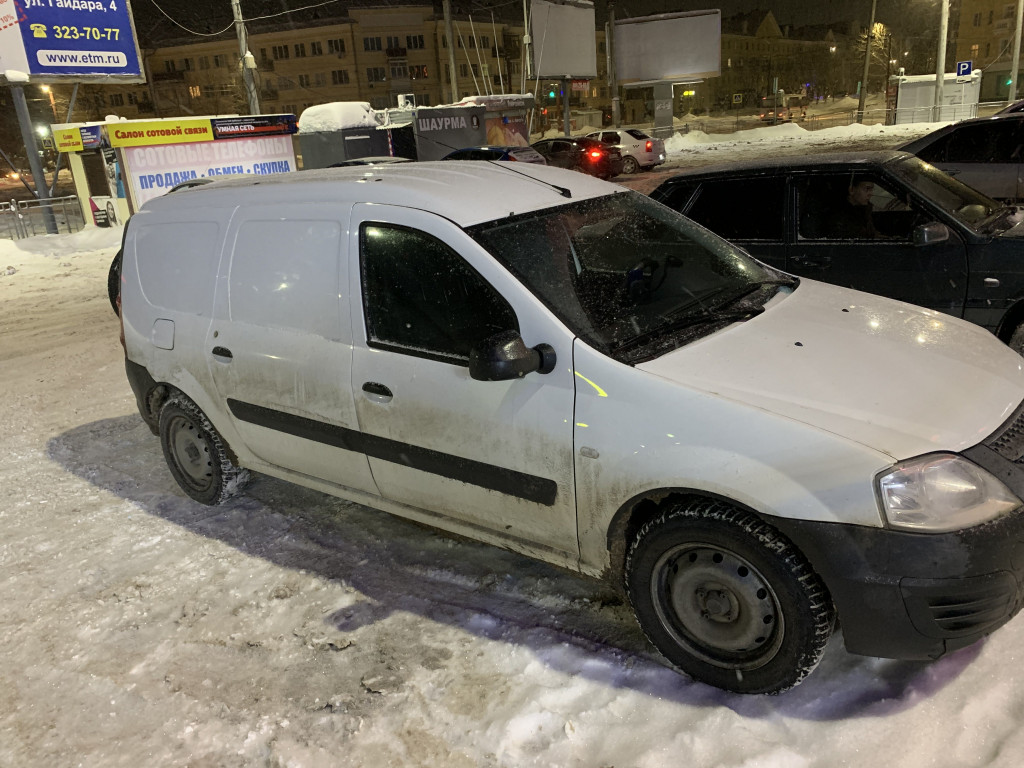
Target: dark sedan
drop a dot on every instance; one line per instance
(882, 222)
(987, 153)
(582, 154)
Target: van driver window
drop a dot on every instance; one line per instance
(421, 298)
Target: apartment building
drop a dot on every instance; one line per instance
(985, 36)
(371, 54)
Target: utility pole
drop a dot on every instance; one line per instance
(1016, 52)
(28, 135)
(453, 79)
(867, 63)
(940, 59)
(246, 59)
(527, 42)
(613, 84)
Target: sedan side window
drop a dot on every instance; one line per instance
(852, 206)
(985, 143)
(421, 298)
(742, 209)
(610, 136)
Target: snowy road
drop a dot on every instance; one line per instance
(289, 628)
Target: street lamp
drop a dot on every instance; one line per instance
(53, 104)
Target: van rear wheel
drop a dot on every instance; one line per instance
(727, 599)
(196, 455)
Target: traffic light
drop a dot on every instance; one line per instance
(551, 94)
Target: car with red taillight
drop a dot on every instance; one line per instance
(639, 151)
(582, 154)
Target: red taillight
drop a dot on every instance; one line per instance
(595, 154)
(650, 146)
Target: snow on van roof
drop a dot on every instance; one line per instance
(467, 193)
(336, 116)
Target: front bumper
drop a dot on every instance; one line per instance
(908, 595)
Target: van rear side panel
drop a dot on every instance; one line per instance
(169, 279)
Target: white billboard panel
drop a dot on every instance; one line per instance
(670, 46)
(563, 40)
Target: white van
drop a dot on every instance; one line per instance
(553, 364)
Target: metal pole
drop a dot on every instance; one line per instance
(32, 149)
(565, 105)
(867, 64)
(245, 56)
(60, 155)
(940, 59)
(527, 45)
(1016, 52)
(452, 77)
(613, 83)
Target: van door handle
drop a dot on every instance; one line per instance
(223, 352)
(377, 392)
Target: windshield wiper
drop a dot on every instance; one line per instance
(688, 321)
(749, 289)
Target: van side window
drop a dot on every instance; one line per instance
(284, 274)
(421, 298)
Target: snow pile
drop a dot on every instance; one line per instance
(337, 116)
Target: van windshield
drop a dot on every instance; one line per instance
(630, 276)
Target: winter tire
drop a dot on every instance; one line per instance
(630, 165)
(727, 599)
(196, 455)
(114, 281)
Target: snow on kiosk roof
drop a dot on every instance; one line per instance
(465, 193)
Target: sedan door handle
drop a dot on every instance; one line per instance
(377, 392)
(816, 262)
(991, 282)
(223, 352)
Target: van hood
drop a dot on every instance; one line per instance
(894, 377)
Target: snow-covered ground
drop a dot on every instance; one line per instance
(289, 629)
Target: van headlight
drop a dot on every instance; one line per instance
(942, 492)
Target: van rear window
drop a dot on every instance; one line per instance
(171, 255)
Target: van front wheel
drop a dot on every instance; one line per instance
(727, 599)
(196, 455)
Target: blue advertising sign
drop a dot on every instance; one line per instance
(80, 38)
(964, 68)
(92, 137)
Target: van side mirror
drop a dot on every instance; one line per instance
(929, 234)
(505, 356)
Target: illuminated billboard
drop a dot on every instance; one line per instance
(50, 41)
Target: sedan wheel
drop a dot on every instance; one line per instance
(630, 165)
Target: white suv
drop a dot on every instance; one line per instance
(639, 151)
(546, 362)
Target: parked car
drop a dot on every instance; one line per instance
(1016, 106)
(515, 154)
(582, 154)
(638, 150)
(987, 153)
(577, 373)
(936, 242)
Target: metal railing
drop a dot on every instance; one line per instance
(27, 218)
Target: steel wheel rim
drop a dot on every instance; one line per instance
(717, 606)
(190, 452)
(630, 165)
